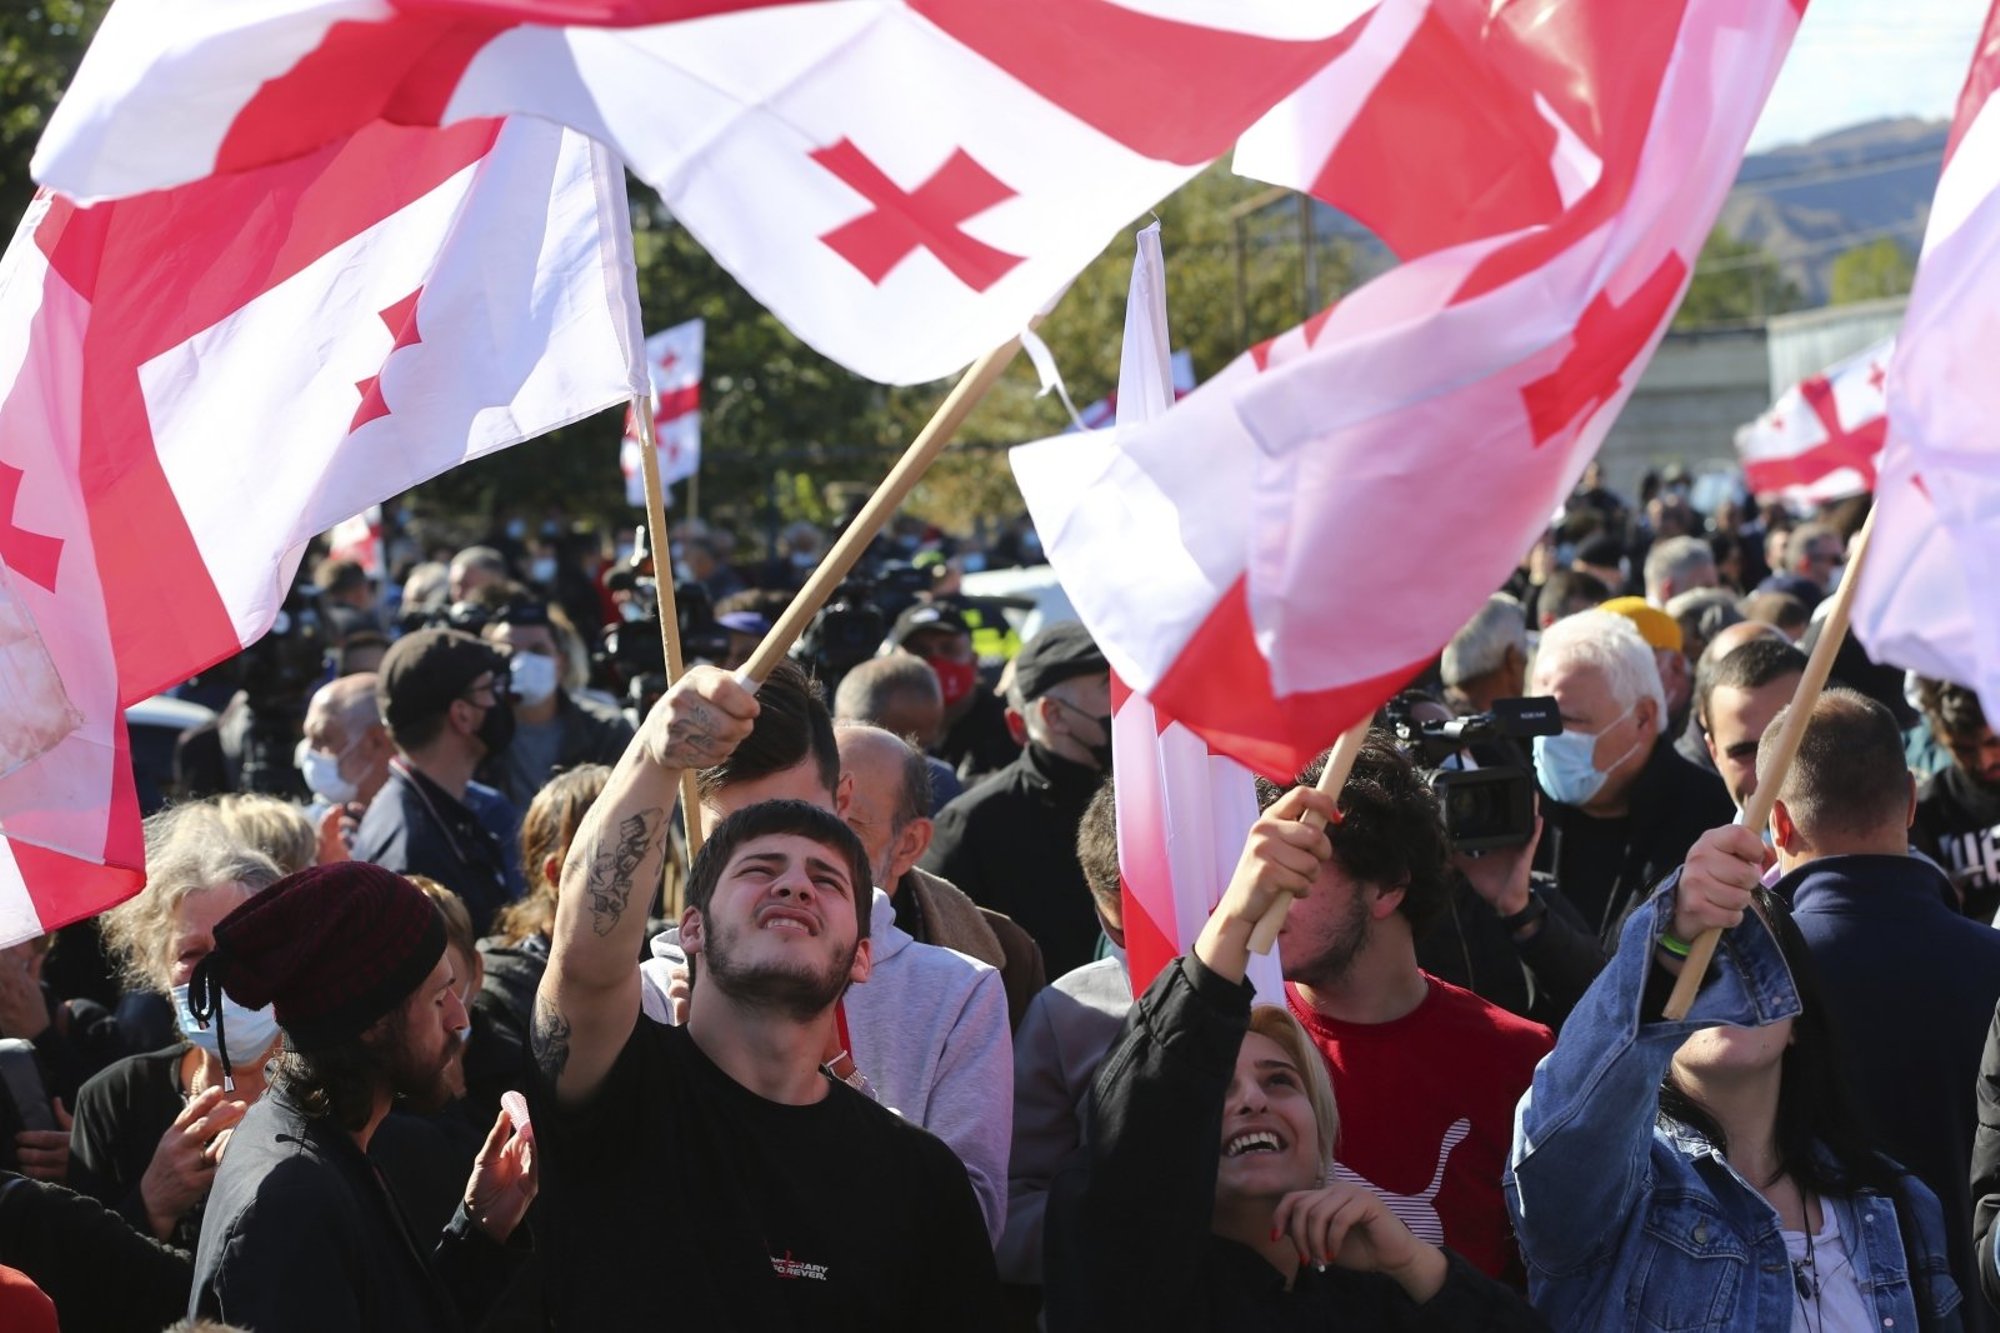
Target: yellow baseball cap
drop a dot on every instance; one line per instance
(1655, 626)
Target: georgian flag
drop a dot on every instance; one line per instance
(197, 381)
(673, 359)
(1925, 599)
(1277, 554)
(905, 183)
(1822, 440)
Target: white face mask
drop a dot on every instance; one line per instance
(533, 677)
(322, 773)
(250, 1031)
(542, 570)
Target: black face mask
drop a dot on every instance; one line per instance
(1101, 752)
(496, 729)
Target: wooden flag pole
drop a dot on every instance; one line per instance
(1331, 779)
(1756, 813)
(971, 388)
(663, 583)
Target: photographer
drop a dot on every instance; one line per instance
(252, 746)
(1508, 934)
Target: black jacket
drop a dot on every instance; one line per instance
(1958, 826)
(303, 1235)
(103, 1276)
(1128, 1243)
(1540, 977)
(1672, 804)
(1010, 845)
(1910, 988)
(415, 827)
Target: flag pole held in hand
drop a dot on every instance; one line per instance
(971, 388)
(1756, 812)
(1331, 779)
(663, 583)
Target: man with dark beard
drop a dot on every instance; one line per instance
(714, 1175)
(1425, 1074)
(301, 1231)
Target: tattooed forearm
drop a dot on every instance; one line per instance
(548, 1039)
(609, 885)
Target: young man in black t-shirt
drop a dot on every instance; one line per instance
(713, 1176)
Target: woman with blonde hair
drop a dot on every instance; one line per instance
(517, 953)
(151, 1128)
(1208, 1201)
(278, 829)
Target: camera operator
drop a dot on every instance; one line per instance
(845, 633)
(253, 745)
(1507, 934)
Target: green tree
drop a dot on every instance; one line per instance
(41, 42)
(1877, 269)
(1735, 282)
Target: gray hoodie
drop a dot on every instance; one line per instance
(929, 1030)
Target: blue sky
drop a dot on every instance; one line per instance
(1858, 60)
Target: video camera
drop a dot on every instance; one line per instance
(1486, 807)
(844, 633)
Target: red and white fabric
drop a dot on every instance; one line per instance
(903, 182)
(1925, 600)
(1272, 558)
(673, 360)
(359, 539)
(1822, 440)
(199, 380)
(1183, 811)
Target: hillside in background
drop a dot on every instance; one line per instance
(1805, 204)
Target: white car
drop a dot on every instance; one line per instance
(1040, 596)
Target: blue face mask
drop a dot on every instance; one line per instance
(1565, 763)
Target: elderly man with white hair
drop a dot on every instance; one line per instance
(1622, 807)
(1488, 658)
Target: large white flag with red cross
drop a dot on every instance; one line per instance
(905, 183)
(1822, 440)
(1274, 556)
(1925, 600)
(197, 381)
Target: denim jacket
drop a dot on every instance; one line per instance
(1625, 1224)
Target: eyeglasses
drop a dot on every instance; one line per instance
(492, 687)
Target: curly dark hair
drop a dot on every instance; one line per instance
(1391, 833)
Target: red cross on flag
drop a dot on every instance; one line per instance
(195, 382)
(674, 358)
(1925, 601)
(1823, 438)
(905, 183)
(1274, 556)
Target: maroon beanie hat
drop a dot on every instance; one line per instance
(333, 947)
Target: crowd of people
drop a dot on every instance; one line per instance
(436, 1024)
